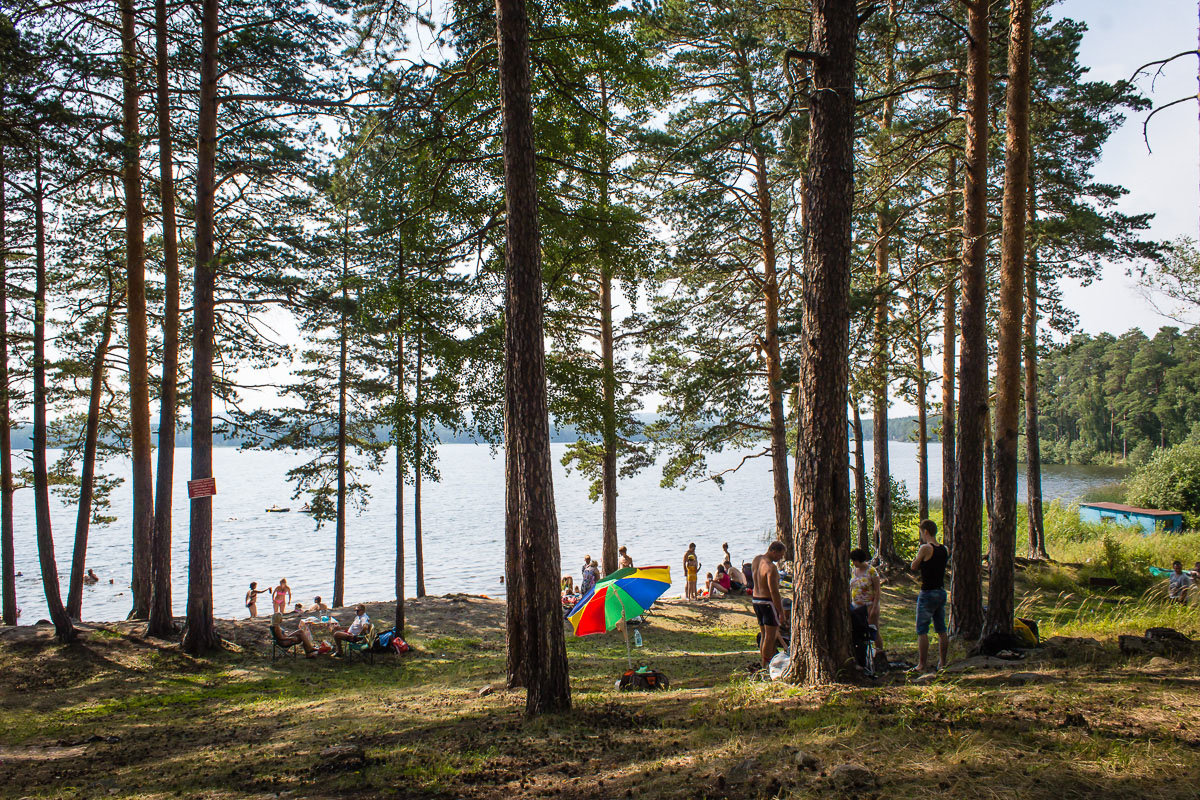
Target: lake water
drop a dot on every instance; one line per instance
(463, 527)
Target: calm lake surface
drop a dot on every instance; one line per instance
(463, 527)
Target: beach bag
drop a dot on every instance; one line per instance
(1026, 631)
(643, 679)
(384, 641)
(398, 645)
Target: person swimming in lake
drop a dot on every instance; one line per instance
(252, 598)
(281, 595)
(91, 576)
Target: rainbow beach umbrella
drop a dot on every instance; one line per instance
(623, 595)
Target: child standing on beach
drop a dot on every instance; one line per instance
(281, 595)
(691, 567)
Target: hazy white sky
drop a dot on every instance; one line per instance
(1121, 37)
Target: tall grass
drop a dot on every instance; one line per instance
(1106, 550)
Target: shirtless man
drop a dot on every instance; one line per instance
(768, 607)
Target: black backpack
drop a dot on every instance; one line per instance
(648, 680)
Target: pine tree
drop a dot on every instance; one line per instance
(821, 625)
(537, 656)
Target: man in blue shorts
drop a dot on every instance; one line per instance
(931, 562)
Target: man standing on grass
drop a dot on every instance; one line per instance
(931, 602)
(768, 607)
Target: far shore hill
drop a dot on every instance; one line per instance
(900, 429)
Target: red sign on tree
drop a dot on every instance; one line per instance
(202, 487)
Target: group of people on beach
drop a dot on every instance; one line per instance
(865, 596)
(305, 637)
(281, 597)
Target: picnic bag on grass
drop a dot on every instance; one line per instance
(384, 641)
(643, 679)
(398, 645)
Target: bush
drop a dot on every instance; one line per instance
(904, 516)
(1170, 480)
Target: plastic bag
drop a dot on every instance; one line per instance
(778, 665)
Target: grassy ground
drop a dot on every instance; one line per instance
(121, 716)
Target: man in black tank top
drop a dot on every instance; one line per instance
(931, 602)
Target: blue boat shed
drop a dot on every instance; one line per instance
(1148, 519)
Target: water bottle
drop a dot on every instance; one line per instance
(637, 638)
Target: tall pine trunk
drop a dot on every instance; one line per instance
(884, 529)
(922, 430)
(608, 468)
(201, 634)
(418, 462)
(339, 550)
(950, 334)
(8, 557)
(87, 478)
(860, 482)
(1033, 446)
(535, 623)
(141, 452)
(1009, 351)
(774, 363)
(820, 616)
(966, 581)
(63, 629)
(162, 622)
(400, 471)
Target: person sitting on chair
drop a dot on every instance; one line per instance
(354, 632)
(300, 637)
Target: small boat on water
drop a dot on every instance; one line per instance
(277, 510)
(307, 509)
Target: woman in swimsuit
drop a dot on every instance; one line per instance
(252, 598)
(281, 595)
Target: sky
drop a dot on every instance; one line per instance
(1121, 37)
(1164, 180)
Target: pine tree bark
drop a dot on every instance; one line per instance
(884, 529)
(860, 482)
(64, 631)
(87, 478)
(1003, 548)
(141, 454)
(531, 527)
(339, 552)
(8, 557)
(774, 363)
(922, 432)
(1033, 447)
(966, 581)
(608, 467)
(950, 334)
(418, 459)
(162, 620)
(201, 634)
(400, 470)
(820, 617)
